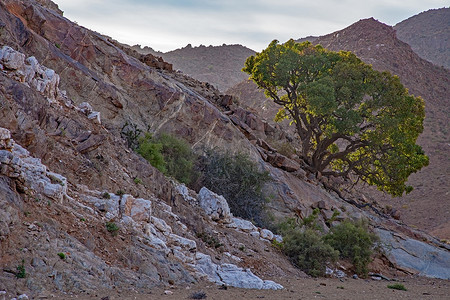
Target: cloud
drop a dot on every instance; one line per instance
(169, 24)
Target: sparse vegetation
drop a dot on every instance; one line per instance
(62, 255)
(120, 193)
(210, 239)
(112, 227)
(354, 242)
(169, 154)
(55, 180)
(21, 272)
(311, 250)
(106, 195)
(397, 286)
(308, 251)
(131, 133)
(238, 179)
(137, 180)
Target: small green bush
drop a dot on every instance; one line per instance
(178, 156)
(238, 179)
(151, 150)
(21, 273)
(120, 193)
(137, 180)
(112, 227)
(171, 155)
(354, 242)
(106, 195)
(397, 286)
(62, 255)
(308, 251)
(210, 239)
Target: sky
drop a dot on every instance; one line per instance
(166, 25)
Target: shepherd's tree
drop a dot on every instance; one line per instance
(351, 120)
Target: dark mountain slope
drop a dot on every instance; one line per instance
(428, 33)
(218, 65)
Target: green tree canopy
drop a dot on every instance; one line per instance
(351, 119)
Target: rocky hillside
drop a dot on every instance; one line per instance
(376, 43)
(81, 213)
(428, 33)
(218, 65)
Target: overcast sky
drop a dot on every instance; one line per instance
(166, 25)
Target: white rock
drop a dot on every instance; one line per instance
(255, 234)
(214, 206)
(5, 134)
(266, 234)
(244, 225)
(185, 243)
(149, 229)
(231, 275)
(182, 256)
(95, 117)
(184, 192)
(271, 285)
(157, 243)
(278, 238)
(11, 59)
(161, 225)
(85, 108)
(141, 210)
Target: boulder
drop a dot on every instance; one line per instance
(214, 206)
(5, 139)
(11, 59)
(414, 255)
(140, 209)
(266, 234)
(243, 225)
(95, 117)
(231, 275)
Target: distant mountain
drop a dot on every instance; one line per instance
(308, 38)
(376, 44)
(218, 65)
(428, 33)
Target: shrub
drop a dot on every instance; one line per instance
(169, 154)
(112, 227)
(150, 149)
(21, 273)
(106, 195)
(397, 286)
(131, 133)
(210, 239)
(239, 181)
(61, 255)
(178, 156)
(308, 251)
(354, 242)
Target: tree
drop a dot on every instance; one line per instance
(352, 121)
